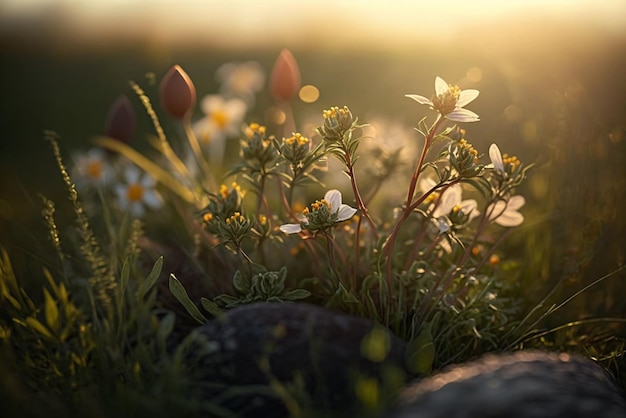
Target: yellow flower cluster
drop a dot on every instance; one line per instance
(296, 138)
(334, 111)
(224, 191)
(512, 161)
(253, 128)
(469, 147)
(236, 217)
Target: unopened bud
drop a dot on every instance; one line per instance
(178, 94)
(285, 78)
(121, 121)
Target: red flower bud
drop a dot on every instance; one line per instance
(178, 94)
(285, 78)
(121, 121)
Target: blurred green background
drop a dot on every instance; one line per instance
(551, 79)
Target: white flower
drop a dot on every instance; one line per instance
(449, 199)
(450, 101)
(138, 192)
(91, 168)
(506, 213)
(223, 118)
(332, 199)
(241, 79)
(496, 158)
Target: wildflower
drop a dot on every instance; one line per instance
(121, 121)
(178, 94)
(241, 79)
(449, 201)
(449, 101)
(223, 118)
(505, 213)
(285, 77)
(91, 168)
(138, 192)
(502, 163)
(322, 215)
(337, 121)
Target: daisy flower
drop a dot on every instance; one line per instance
(448, 200)
(322, 215)
(223, 119)
(138, 192)
(241, 80)
(91, 168)
(449, 101)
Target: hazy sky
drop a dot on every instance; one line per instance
(246, 20)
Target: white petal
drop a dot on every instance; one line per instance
(466, 97)
(152, 199)
(510, 218)
(515, 202)
(426, 184)
(419, 99)
(441, 86)
(496, 157)
(236, 109)
(345, 212)
(136, 209)
(497, 209)
(448, 200)
(463, 115)
(291, 228)
(333, 197)
(210, 103)
(132, 174)
(469, 208)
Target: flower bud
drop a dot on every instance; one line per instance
(178, 94)
(121, 121)
(285, 78)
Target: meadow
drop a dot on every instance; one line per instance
(557, 101)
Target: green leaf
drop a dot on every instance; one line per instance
(179, 292)
(39, 327)
(124, 276)
(51, 312)
(420, 353)
(211, 307)
(149, 282)
(296, 294)
(166, 326)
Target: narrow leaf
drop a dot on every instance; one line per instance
(179, 292)
(211, 307)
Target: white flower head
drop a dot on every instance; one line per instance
(449, 199)
(324, 214)
(138, 192)
(450, 101)
(223, 119)
(241, 80)
(91, 168)
(505, 213)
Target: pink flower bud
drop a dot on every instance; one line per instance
(178, 94)
(121, 121)
(285, 78)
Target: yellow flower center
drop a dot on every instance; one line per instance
(220, 118)
(207, 217)
(94, 169)
(446, 102)
(296, 138)
(134, 193)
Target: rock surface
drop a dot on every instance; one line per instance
(286, 343)
(527, 384)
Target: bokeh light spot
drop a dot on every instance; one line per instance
(309, 94)
(513, 113)
(275, 115)
(474, 74)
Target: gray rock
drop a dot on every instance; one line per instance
(286, 343)
(526, 384)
